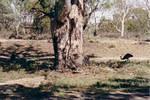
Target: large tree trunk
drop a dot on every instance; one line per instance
(68, 35)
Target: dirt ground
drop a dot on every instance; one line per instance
(100, 82)
(112, 49)
(102, 48)
(37, 51)
(94, 83)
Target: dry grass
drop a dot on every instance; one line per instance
(97, 79)
(101, 78)
(116, 48)
(93, 74)
(14, 75)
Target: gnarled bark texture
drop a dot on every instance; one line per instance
(67, 35)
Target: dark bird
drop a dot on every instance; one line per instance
(126, 56)
(95, 33)
(147, 40)
(91, 55)
(13, 56)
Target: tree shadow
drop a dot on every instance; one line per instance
(17, 91)
(31, 59)
(21, 92)
(119, 89)
(125, 89)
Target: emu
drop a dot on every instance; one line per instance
(13, 56)
(127, 56)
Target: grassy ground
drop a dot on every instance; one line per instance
(109, 80)
(94, 82)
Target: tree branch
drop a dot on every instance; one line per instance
(88, 16)
(116, 27)
(43, 12)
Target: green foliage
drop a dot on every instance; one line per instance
(28, 5)
(131, 26)
(137, 21)
(45, 24)
(48, 7)
(107, 4)
(107, 26)
(5, 2)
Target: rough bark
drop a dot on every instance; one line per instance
(68, 35)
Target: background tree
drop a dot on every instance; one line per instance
(137, 21)
(93, 6)
(122, 9)
(147, 5)
(5, 15)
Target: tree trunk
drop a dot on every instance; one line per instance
(68, 36)
(122, 27)
(148, 23)
(55, 44)
(95, 31)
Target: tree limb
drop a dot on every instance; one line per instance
(88, 16)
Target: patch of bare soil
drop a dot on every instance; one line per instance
(42, 45)
(28, 54)
(28, 82)
(105, 49)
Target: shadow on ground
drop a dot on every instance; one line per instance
(124, 89)
(129, 90)
(20, 92)
(17, 57)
